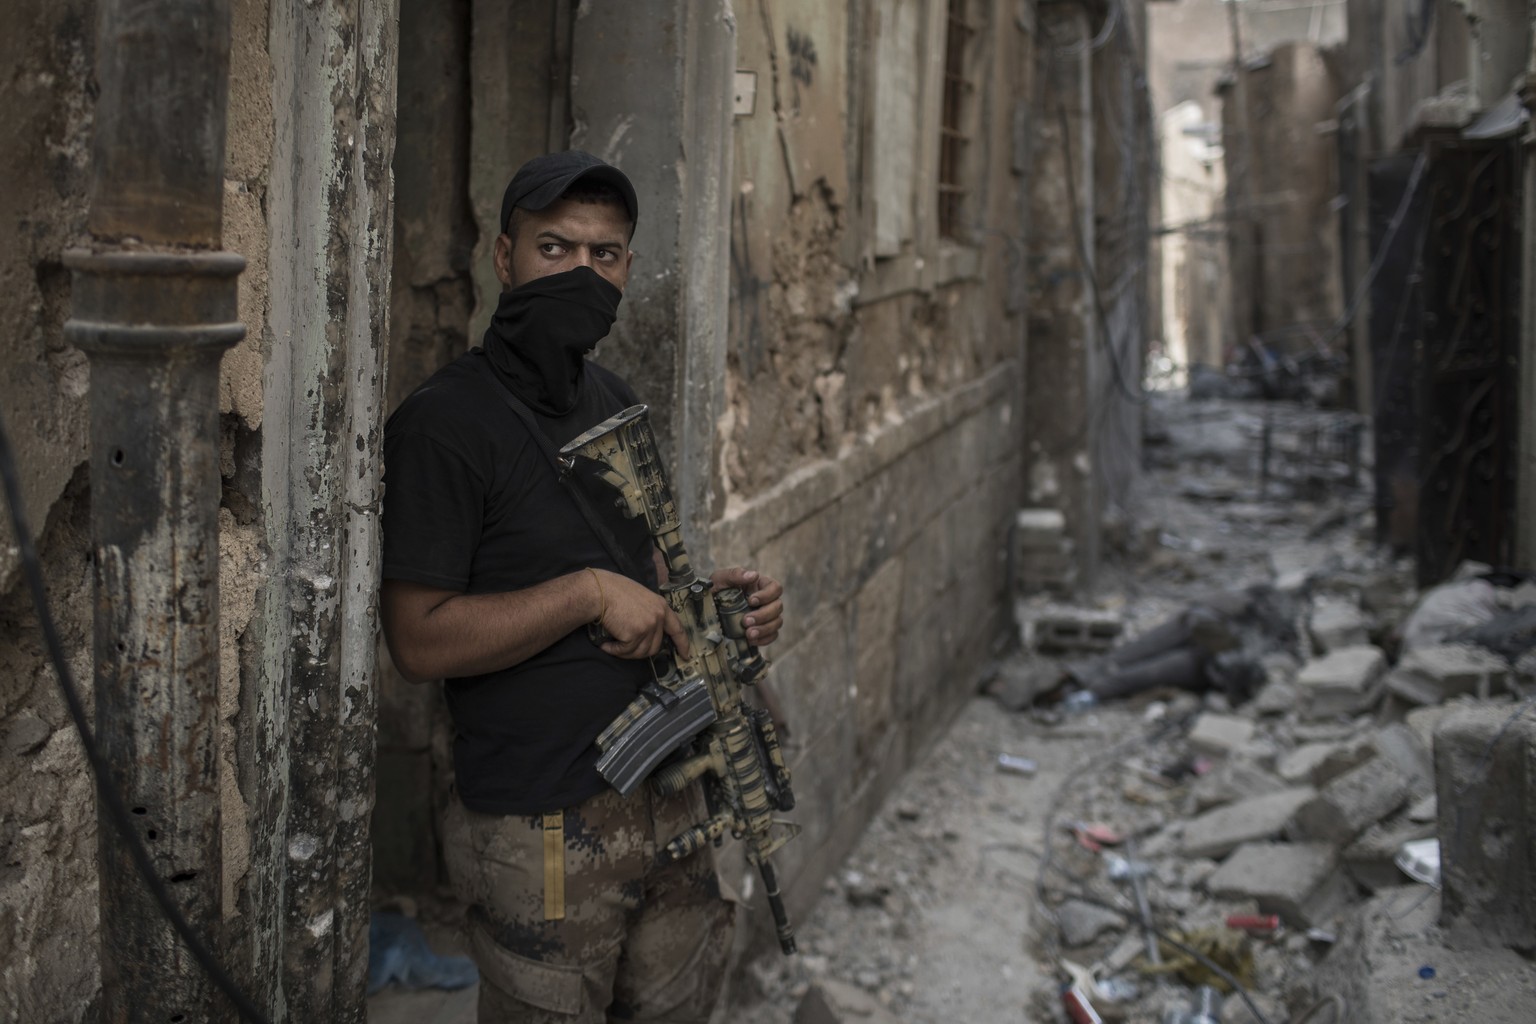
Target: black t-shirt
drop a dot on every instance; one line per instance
(472, 504)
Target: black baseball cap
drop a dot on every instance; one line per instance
(544, 179)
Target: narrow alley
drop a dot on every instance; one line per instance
(978, 884)
(425, 421)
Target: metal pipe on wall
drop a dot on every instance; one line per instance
(154, 308)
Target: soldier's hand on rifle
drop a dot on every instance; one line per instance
(764, 597)
(637, 618)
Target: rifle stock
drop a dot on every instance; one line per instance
(695, 706)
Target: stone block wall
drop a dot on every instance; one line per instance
(894, 561)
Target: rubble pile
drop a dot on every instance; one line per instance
(1259, 778)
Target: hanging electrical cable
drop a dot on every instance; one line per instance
(100, 770)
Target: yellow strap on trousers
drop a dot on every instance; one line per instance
(554, 866)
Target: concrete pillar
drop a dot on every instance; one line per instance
(1065, 375)
(307, 759)
(154, 306)
(651, 88)
(1485, 777)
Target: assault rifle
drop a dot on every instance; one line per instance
(694, 705)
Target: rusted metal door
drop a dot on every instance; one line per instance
(1468, 383)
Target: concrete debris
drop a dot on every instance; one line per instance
(1298, 881)
(834, 1002)
(1434, 674)
(1393, 963)
(1042, 552)
(1371, 860)
(1220, 735)
(1341, 683)
(1230, 781)
(1318, 764)
(1401, 745)
(1081, 922)
(1270, 749)
(863, 891)
(1485, 770)
(1336, 624)
(1219, 832)
(1072, 631)
(1353, 802)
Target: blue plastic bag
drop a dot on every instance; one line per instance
(398, 952)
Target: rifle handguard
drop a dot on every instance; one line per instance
(735, 747)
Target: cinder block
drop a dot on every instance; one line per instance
(1345, 682)
(833, 1002)
(1433, 675)
(1485, 774)
(1295, 880)
(1353, 802)
(1042, 552)
(1220, 735)
(1336, 624)
(1038, 527)
(1219, 832)
(1059, 631)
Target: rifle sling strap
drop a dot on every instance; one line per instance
(572, 486)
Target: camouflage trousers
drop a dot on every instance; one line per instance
(640, 941)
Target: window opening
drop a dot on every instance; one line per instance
(953, 139)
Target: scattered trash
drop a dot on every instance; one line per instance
(1255, 924)
(1205, 1009)
(1426, 972)
(1092, 835)
(1321, 935)
(1079, 1008)
(1122, 869)
(1420, 860)
(398, 953)
(1118, 990)
(1017, 765)
(1078, 701)
(1228, 949)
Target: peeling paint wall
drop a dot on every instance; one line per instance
(48, 899)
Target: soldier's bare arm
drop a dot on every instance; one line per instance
(435, 634)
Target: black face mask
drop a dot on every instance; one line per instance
(542, 330)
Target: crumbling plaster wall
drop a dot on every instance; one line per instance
(868, 450)
(48, 912)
